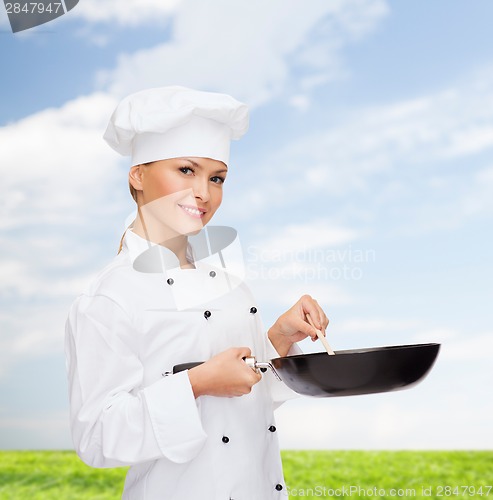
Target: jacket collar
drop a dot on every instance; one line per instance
(149, 257)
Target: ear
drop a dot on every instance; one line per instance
(135, 177)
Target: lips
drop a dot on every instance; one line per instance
(195, 212)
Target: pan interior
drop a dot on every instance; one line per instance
(357, 371)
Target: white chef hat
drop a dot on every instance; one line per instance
(171, 122)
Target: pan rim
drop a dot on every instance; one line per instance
(363, 350)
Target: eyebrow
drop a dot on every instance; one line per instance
(196, 165)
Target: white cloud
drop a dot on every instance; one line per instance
(27, 278)
(56, 171)
(301, 239)
(280, 295)
(376, 325)
(456, 345)
(300, 102)
(280, 271)
(457, 393)
(245, 47)
(402, 156)
(297, 259)
(4, 19)
(61, 164)
(399, 420)
(58, 177)
(477, 198)
(45, 430)
(425, 131)
(30, 332)
(10, 272)
(473, 347)
(128, 13)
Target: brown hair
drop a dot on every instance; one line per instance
(133, 192)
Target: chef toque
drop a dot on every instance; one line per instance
(172, 122)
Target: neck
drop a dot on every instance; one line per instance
(177, 243)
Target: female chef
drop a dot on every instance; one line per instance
(169, 297)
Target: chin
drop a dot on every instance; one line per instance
(190, 227)
(193, 233)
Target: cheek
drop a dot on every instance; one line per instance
(163, 207)
(165, 186)
(217, 198)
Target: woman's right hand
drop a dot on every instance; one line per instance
(225, 374)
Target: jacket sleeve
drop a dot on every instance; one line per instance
(279, 391)
(115, 421)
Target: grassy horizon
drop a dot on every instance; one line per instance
(50, 475)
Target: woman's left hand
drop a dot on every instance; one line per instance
(292, 326)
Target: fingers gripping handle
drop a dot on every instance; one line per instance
(249, 360)
(260, 365)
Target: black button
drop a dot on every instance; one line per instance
(225, 439)
(207, 314)
(272, 428)
(253, 310)
(212, 274)
(170, 281)
(278, 487)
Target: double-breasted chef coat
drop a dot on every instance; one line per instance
(124, 334)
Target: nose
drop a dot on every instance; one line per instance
(201, 189)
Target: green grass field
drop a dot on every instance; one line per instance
(309, 474)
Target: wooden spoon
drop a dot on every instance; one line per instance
(321, 336)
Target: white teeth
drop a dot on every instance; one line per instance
(193, 211)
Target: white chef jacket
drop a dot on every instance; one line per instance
(124, 334)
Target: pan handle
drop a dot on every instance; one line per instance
(261, 365)
(186, 366)
(249, 360)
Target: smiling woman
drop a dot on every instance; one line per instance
(177, 196)
(168, 297)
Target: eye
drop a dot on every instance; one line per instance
(187, 170)
(217, 179)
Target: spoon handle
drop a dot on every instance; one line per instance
(321, 336)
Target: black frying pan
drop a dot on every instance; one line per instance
(349, 372)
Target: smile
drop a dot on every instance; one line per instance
(193, 211)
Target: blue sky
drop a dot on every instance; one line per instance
(371, 134)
